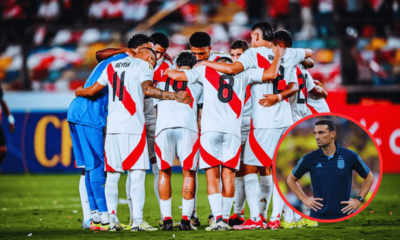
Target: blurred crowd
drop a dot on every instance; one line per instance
(50, 45)
(301, 141)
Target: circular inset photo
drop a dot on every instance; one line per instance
(328, 168)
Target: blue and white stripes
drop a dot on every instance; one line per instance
(366, 168)
(297, 166)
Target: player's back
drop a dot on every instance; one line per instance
(92, 111)
(298, 102)
(223, 98)
(170, 113)
(278, 115)
(126, 97)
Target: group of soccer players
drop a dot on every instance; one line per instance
(214, 111)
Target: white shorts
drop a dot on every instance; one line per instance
(126, 151)
(261, 145)
(245, 130)
(218, 148)
(181, 141)
(150, 129)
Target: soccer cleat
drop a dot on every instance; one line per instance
(226, 225)
(273, 225)
(115, 226)
(142, 227)
(95, 226)
(186, 225)
(216, 226)
(310, 223)
(86, 224)
(287, 225)
(249, 225)
(210, 219)
(105, 227)
(127, 227)
(168, 224)
(195, 221)
(300, 223)
(235, 219)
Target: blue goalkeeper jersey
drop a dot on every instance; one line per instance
(93, 111)
(331, 178)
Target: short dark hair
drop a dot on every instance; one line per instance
(328, 122)
(267, 30)
(283, 36)
(160, 39)
(225, 58)
(200, 39)
(186, 59)
(138, 40)
(240, 44)
(154, 53)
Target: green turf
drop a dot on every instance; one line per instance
(48, 206)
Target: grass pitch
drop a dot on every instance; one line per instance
(48, 207)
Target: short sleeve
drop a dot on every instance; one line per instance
(146, 72)
(248, 59)
(300, 54)
(201, 98)
(103, 79)
(194, 75)
(292, 77)
(360, 167)
(300, 169)
(254, 75)
(309, 81)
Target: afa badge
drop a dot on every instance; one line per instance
(340, 163)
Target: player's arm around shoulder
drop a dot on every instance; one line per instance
(272, 72)
(150, 91)
(177, 75)
(89, 91)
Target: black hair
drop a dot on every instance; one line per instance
(138, 40)
(284, 36)
(240, 44)
(160, 39)
(200, 39)
(267, 30)
(226, 59)
(154, 54)
(328, 122)
(186, 59)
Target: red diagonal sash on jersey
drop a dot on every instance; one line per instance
(127, 100)
(264, 63)
(134, 156)
(213, 77)
(159, 75)
(248, 93)
(313, 111)
(188, 162)
(260, 154)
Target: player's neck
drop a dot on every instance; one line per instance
(329, 150)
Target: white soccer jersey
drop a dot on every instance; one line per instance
(223, 97)
(149, 110)
(247, 108)
(125, 95)
(278, 115)
(172, 114)
(314, 105)
(214, 55)
(298, 102)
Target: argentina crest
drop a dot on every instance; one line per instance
(340, 163)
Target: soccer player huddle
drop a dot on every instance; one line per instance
(218, 112)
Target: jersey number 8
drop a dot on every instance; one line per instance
(279, 78)
(228, 87)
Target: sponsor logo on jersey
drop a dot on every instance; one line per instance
(270, 57)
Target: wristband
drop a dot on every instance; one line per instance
(361, 199)
(279, 97)
(11, 119)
